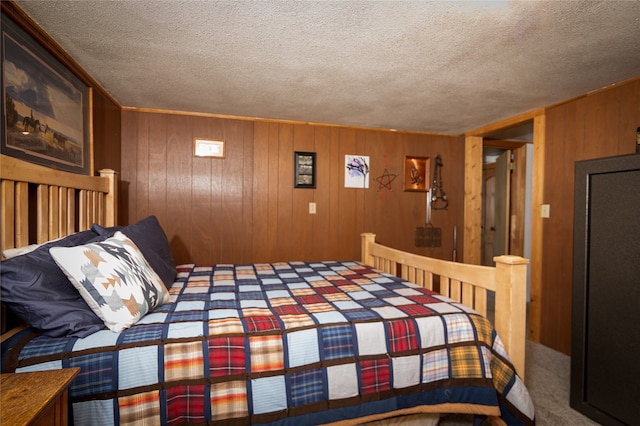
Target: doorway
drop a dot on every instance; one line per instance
(504, 199)
(533, 125)
(498, 224)
(488, 210)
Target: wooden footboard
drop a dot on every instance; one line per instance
(467, 284)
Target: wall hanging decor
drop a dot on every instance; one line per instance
(438, 196)
(356, 171)
(386, 178)
(428, 235)
(304, 167)
(208, 148)
(45, 107)
(416, 172)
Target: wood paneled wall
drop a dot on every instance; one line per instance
(601, 124)
(244, 208)
(106, 133)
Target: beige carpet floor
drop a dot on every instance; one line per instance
(548, 380)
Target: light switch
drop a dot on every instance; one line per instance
(312, 208)
(545, 211)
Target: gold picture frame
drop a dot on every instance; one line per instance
(212, 148)
(416, 174)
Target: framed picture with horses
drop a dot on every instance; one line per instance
(45, 107)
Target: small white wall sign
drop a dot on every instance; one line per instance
(208, 148)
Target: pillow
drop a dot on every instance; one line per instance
(114, 278)
(37, 291)
(150, 238)
(19, 251)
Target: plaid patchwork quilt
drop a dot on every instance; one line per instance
(287, 344)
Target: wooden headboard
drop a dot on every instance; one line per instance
(38, 204)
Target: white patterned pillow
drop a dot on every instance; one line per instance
(114, 278)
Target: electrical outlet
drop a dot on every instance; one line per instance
(545, 211)
(312, 208)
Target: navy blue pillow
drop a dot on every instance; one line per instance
(36, 289)
(150, 238)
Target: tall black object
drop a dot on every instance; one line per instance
(605, 349)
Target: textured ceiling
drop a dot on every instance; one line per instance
(433, 66)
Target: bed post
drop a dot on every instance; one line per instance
(365, 253)
(111, 199)
(511, 312)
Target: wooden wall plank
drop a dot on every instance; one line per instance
(260, 191)
(159, 155)
(131, 139)
(411, 204)
(323, 192)
(629, 117)
(456, 180)
(244, 208)
(385, 205)
(381, 204)
(336, 184)
(552, 226)
(360, 207)
(230, 183)
(573, 135)
(453, 215)
(599, 125)
(303, 223)
(206, 243)
(284, 165)
(107, 133)
(247, 192)
(346, 224)
(173, 192)
(272, 195)
(146, 129)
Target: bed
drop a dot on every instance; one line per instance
(290, 343)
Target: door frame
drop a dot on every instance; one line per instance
(472, 237)
(488, 172)
(517, 193)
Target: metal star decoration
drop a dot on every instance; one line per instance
(384, 180)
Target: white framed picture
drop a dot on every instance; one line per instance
(356, 174)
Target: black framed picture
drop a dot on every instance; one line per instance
(45, 107)
(304, 165)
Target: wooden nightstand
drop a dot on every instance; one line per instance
(38, 398)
